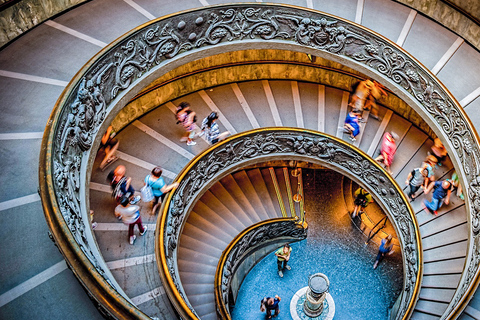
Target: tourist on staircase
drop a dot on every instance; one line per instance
(187, 118)
(386, 247)
(211, 130)
(388, 150)
(283, 255)
(130, 215)
(362, 199)
(110, 146)
(159, 187)
(121, 185)
(376, 92)
(419, 177)
(360, 95)
(438, 151)
(352, 125)
(441, 194)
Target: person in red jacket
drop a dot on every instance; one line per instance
(389, 148)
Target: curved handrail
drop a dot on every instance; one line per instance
(264, 144)
(117, 73)
(243, 244)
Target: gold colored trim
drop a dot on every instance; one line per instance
(277, 192)
(302, 201)
(289, 192)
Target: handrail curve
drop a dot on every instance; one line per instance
(280, 143)
(117, 73)
(242, 245)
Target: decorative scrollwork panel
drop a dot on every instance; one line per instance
(285, 143)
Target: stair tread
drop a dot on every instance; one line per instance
(237, 193)
(455, 234)
(201, 222)
(193, 244)
(413, 140)
(446, 266)
(260, 186)
(231, 218)
(456, 250)
(200, 256)
(441, 281)
(217, 218)
(435, 294)
(202, 235)
(444, 221)
(220, 192)
(192, 266)
(431, 307)
(243, 181)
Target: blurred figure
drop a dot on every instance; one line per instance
(388, 150)
(270, 304)
(441, 194)
(187, 118)
(110, 146)
(386, 247)
(362, 199)
(416, 179)
(130, 215)
(159, 187)
(121, 185)
(457, 186)
(376, 92)
(362, 91)
(439, 151)
(211, 130)
(352, 125)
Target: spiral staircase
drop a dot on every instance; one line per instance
(37, 66)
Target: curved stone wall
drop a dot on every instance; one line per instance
(120, 71)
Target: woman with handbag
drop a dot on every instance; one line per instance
(159, 187)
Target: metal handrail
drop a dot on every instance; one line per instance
(370, 235)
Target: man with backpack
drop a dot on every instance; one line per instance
(121, 185)
(362, 199)
(441, 194)
(416, 179)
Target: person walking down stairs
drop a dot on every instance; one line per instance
(187, 118)
(362, 199)
(211, 130)
(283, 256)
(386, 247)
(388, 150)
(130, 215)
(159, 187)
(416, 179)
(441, 194)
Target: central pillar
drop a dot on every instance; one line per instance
(316, 293)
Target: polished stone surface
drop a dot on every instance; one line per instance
(333, 247)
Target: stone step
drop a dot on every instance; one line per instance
(260, 186)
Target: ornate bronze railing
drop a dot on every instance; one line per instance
(119, 72)
(261, 145)
(246, 243)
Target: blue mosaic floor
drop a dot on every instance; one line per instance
(333, 247)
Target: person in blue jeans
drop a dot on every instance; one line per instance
(270, 304)
(386, 247)
(441, 195)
